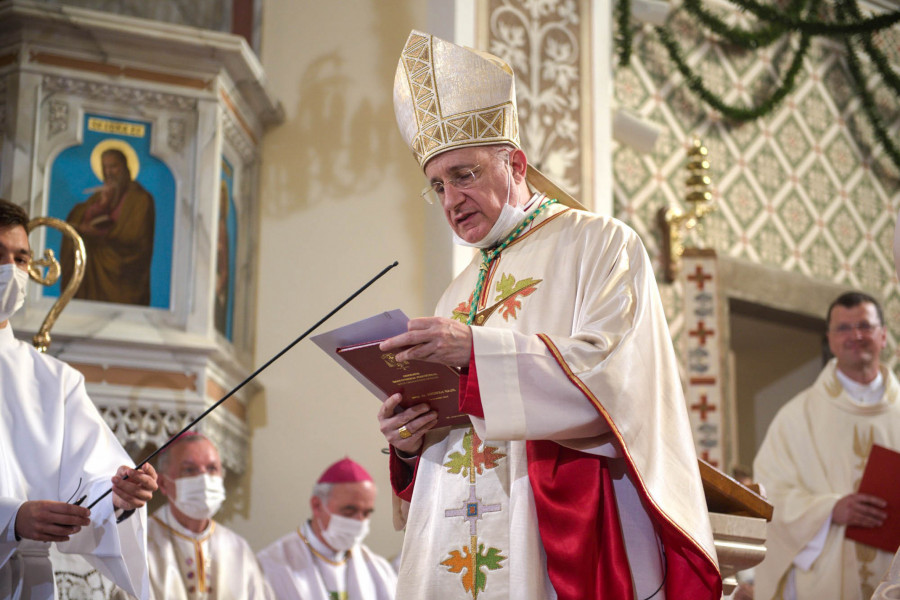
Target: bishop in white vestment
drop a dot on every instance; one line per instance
(325, 559)
(578, 477)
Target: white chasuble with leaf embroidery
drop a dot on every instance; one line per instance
(573, 348)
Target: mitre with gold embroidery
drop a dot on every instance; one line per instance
(447, 97)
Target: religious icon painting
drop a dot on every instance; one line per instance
(226, 238)
(121, 200)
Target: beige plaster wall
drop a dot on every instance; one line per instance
(338, 203)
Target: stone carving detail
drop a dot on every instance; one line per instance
(139, 426)
(176, 134)
(58, 117)
(118, 93)
(541, 42)
(237, 138)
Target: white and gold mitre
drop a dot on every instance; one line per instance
(447, 97)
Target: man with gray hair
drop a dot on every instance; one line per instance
(193, 557)
(325, 558)
(578, 476)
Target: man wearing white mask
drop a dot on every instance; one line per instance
(57, 456)
(325, 558)
(191, 555)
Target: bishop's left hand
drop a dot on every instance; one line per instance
(136, 491)
(435, 339)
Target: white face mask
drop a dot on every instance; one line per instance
(508, 219)
(12, 290)
(199, 497)
(343, 533)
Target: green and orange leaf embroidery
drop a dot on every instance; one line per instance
(509, 291)
(461, 312)
(479, 460)
(474, 579)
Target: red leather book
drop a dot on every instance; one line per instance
(418, 380)
(880, 479)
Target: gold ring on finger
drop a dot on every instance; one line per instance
(404, 433)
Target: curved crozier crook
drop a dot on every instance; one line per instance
(41, 339)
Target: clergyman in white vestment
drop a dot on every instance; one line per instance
(325, 559)
(193, 557)
(811, 461)
(578, 476)
(56, 448)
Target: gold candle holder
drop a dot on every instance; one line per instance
(674, 222)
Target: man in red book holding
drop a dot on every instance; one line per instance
(578, 477)
(813, 457)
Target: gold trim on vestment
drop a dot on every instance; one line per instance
(486, 311)
(198, 549)
(638, 480)
(335, 563)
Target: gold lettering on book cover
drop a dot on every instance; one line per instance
(393, 363)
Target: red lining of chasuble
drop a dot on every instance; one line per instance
(690, 573)
(579, 523)
(400, 480)
(469, 394)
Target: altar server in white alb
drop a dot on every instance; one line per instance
(193, 557)
(813, 457)
(55, 449)
(578, 477)
(325, 558)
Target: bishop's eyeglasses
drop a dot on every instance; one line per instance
(466, 179)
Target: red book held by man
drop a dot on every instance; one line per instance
(418, 380)
(880, 479)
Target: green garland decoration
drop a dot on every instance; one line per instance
(749, 39)
(878, 58)
(735, 113)
(624, 33)
(868, 100)
(813, 27)
(849, 23)
(779, 21)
